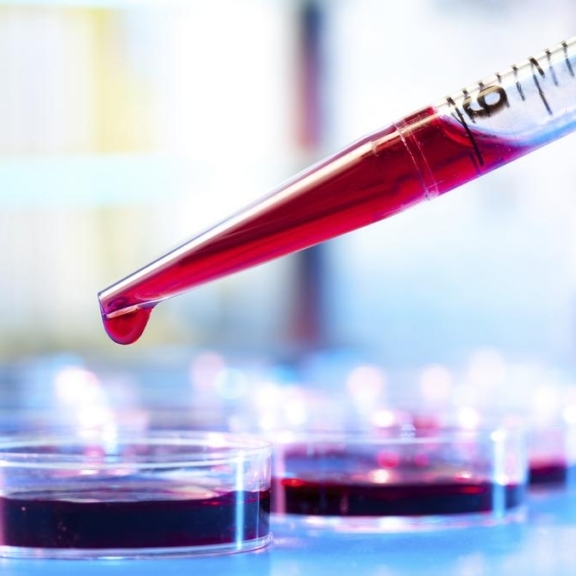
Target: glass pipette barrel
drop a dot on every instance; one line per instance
(423, 155)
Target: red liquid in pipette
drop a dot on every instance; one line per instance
(384, 179)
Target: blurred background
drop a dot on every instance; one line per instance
(129, 126)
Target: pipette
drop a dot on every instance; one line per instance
(421, 156)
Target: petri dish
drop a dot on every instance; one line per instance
(399, 479)
(552, 456)
(133, 494)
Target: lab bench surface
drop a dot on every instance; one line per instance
(545, 545)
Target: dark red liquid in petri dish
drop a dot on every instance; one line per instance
(553, 472)
(373, 179)
(108, 519)
(328, 498)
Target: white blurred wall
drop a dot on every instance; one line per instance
(127, 128)
(489, 265)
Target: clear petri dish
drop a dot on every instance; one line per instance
(399, 479)
(128, 495)
(552, 456)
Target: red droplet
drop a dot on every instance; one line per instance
(127, 328)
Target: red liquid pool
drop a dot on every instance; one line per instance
(550, 473)
(112, 518)
(320, 498)
(373, 179)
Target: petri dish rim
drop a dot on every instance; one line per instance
(207, 448)
(397, 436)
